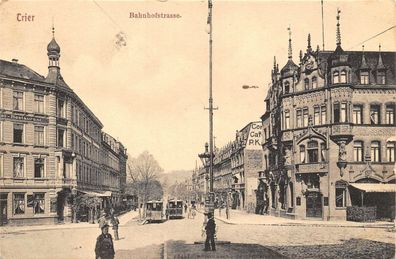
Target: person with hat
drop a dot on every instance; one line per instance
(104, 248)
(102, 220)
(210, 233)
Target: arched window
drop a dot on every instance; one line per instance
(390, 151)
(287, 87)
(336, 77)
(358, 151)
(314, 82)
(375, 151)
(343, 78)
(306, 83)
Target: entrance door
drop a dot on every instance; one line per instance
(3, 209)
(314, 205)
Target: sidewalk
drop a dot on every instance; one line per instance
(124, 218)
(238, 217)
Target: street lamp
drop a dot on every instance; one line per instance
(206, 160)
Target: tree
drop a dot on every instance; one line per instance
(143, 171)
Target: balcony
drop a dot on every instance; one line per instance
(61, 121)
(312, 168)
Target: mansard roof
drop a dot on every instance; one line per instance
(16, 70)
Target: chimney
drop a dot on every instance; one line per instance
(14, 60)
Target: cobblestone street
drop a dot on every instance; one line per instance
(175, 239)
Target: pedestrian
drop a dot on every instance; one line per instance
(185, 207)
(104, 248)
(210, 233)
(115, 222)
(102, 220)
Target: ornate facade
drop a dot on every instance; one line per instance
(328, 134)
(52, 148)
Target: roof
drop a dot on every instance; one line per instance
(289, 67)
(14, 69)
(375, 187)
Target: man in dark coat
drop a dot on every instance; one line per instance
(115, 222)
(104, 248)
(210, 233)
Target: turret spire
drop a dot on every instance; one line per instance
(309, 43)
(338, 36)
(363, 65)
(290, 54)
(380, 64)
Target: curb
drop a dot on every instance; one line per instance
(303, 224)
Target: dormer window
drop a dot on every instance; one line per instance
(343, 77)
(287, 87)
(381, 79)
(336, 77)
(364, 77)
(314, 82)
(306, 83)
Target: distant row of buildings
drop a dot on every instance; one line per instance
(52, 147)
(327, 140)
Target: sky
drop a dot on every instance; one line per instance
(151, 93)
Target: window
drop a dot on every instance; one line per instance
(19, 203)
(390, 151)
(340, 189)
(374, 114)
(305, 117)
(381, 78)
(18, 100)
(38, 203)
(38, 167)
(375, 151)
(358, 151)
(323, 114)
(299, 118)
(357, 114)
(18, 133)
(336, 77)
(39, 103)
(316, 115)
(313, 151)
(343, 78)
(18, 167)
(323, 151)
(314, 82)
(287, 87)
(336, 109)
(61, 108)
(287, 119)
(39, 135)
(61, 136)
(364, 77)
(306, 83)
(390, 114)
(343, 113)
(302, 154)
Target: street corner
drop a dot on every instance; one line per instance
(177, 249)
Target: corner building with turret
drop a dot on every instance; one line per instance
(328, 135)
(52, 148)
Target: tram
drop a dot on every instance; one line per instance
(174, 209)
(154, 211)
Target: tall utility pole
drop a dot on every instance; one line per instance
(210, 5)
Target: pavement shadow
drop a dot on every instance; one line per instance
(147, 252)
(352, 248)
(181, 250)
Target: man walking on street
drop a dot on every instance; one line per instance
(210, 233)
(102, 220)
(104, 248)
(115, 222)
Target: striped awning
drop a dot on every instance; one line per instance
(375, 187)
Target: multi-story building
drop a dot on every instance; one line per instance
(235, 169)
(52, 147)
(328, 134)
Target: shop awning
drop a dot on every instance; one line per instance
(375, 187)
(98, 194)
